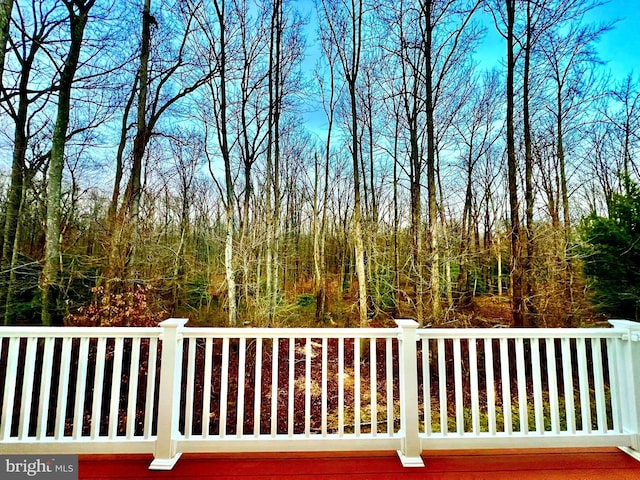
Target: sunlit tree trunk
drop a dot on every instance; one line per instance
(320, 271)
(320, 237)
(122, 225)
(52, 309)
(527, 264)
(17, 182)
(432, 205)
(512, 174)
(396, 218)
(416, 217)
(273, 163)
(6, 7)
(119, 171)
(352, 76)
(12, 276)
(357, 213)
(345, 26)
(229, 196)
(15, 194)
(317, 258)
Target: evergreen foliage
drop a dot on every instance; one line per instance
(612, 260)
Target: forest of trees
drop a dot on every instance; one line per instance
(163, 158)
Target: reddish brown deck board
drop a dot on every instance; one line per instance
(584, 464)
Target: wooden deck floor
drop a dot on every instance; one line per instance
(583, 464)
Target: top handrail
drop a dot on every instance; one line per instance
(617, 330)
(511, 333)
(200, 332)
(80, 332)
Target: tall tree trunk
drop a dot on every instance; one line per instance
(121, 229)
(273, 162)
(499, 264)
(432, 205)
(276, 154)
(52, 307)
(626, 158)
(323, 236)
(416, 218)
(347, 39)
(131, 204)
(320, 263)
(396, 219)
(15, 194)
(320, 288)
(13, 265)
(566, 230)
(357, 213)
(317, 261)
(352, 76)
(564, 192)
(444, 245)
(527, 267)
(412, 101)
(372, 187)
(248, 159)
(465, 236)
(6, 7)
(115, 195)
(14, 201)
(512, 173)
(229, 198)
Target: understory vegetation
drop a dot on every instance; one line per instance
(277, 163)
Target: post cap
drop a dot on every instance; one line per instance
(626, 324)
(174, 323)
(406, 323)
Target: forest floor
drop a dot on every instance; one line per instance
(297, 309)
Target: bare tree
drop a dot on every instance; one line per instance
(177, 73)
(23, 104)
(52, 313)
(625, 120)
(330, 95)
(479, 133)
(273, 194)
(512, 173)
(526, 27)
(428, 43)
(229, 196)
(344, 22)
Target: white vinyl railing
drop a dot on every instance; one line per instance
(551, 387)
(78, 389)
(169, 390)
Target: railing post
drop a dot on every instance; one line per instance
(411, 447)
(165, 455)
(628, 368)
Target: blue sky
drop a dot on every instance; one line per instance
(620, 47)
